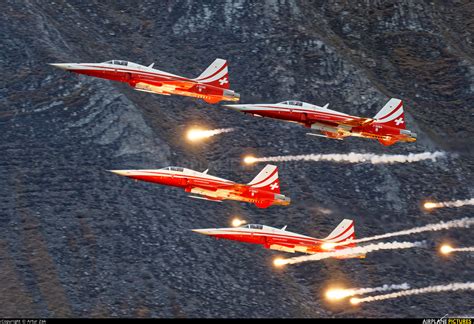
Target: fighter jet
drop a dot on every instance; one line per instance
(263, 190)
(212, 85)
(388, 126)
(282, 240)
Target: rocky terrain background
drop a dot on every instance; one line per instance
(78, 241)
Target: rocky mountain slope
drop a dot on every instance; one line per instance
(79, 241)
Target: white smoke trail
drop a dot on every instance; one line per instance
(464, 249)
(446, 249)
(197, 134)
(418, 291)
(351, 158)
(336, 294)
(463, 223)
(455, 203)
(354, 252)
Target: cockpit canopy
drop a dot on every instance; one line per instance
(252, 226)
(173, 168)
(293, 103)
(117, 62)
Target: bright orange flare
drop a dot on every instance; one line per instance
(279, 262)
(338, 294)
(446, 249)
(328, 246)
(249, 159)
(430, 205)
(238, 222)
(197, 134)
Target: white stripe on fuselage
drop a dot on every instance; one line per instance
(278, 107)
(120, 68)
(187, 173)
(270, 232)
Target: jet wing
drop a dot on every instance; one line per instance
(354, 122)
(342, 120)
(211, 186)
(164, 86)
(183, 84)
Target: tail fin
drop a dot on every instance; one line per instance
(267, 179)
(216, 74)
(392, 114)
(344, 231)
(336, 240)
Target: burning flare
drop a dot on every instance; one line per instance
(279, 262)
(431, 289)
(455, 203)
(447, 249)
(338, 294)
(196, 134)
(236, 222)
(328, 246)
(351, 158)
(249, 159)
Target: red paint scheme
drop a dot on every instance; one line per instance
(212, 86)
(280, 239)
(388, 126)
(264, 192)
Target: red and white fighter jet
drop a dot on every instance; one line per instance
(388, 126)
(263, 190)
(212, 85)
(281, 240)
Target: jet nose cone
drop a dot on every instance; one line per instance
(64, 66)
(205, 231)
(125, 173)
(235, 107)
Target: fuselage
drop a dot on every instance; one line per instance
(273, 238)
(208, 186)
(332, 123)
(148, 79)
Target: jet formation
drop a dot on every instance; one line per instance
(213, 86)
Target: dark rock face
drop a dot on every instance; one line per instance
(77, 240)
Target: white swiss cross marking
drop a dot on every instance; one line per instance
(399, 121)
(223, 81)
(274, 186)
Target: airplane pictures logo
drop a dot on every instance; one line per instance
(446, 320)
